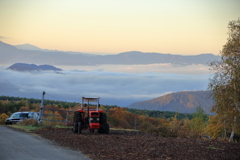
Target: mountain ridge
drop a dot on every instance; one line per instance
(183, 102)
(27, 46)
(11, 54)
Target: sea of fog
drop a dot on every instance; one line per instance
(115, 84)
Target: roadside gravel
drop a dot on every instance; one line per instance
(17, 145)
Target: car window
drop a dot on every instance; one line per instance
(23, 114)
(36, 115)
(30, 115)
(16, 115)
(33, 115)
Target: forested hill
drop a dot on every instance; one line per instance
(13, 107)
(32, 67)
(184, 102)
(13, 104)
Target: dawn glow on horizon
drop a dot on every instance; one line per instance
(109, 27)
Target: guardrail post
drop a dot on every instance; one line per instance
(67, 117)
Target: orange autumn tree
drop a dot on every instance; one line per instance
(120, 118)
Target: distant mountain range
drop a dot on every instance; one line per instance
(28, 47)
(32, 67)
(183, 102)
(31, 54)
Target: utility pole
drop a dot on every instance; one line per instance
(41, 108)
(135, 123)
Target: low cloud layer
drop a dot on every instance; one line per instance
(114, 88)
(195, 69)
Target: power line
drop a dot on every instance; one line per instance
(53, 96)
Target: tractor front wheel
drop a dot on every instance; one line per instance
(107, 128)
(79, 127)
(104, 128)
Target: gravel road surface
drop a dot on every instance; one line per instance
(16, 145)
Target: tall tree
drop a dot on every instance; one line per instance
(199, 121)
(226, 81)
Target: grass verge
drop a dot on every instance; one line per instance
(30, 125)
(26, 128)
(120, 129)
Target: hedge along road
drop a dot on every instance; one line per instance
(24, 146)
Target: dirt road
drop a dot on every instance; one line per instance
(16, 145)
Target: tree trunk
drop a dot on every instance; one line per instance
(235, 118)
(233, 127)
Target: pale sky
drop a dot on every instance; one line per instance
(186, 27)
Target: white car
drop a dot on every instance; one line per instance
(20, 116)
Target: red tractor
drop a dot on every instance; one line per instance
(89, 118)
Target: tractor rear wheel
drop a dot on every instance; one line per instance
(76, 119)
(75, 127)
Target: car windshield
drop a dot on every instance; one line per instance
(18, 115)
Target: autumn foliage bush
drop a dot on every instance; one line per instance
(3, 117)
(28, 122)
(52, 121)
